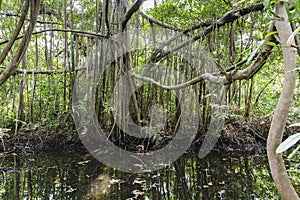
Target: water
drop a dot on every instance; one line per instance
(64, 174)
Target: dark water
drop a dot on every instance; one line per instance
(64, 174)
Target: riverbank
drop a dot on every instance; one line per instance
(243, 135)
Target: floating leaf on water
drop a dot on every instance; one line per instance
(114, 181)
(84, 162)
(70, 190)
(222, 192)
(57, 180)
(222, 183)
(137, 192)
(138, 182)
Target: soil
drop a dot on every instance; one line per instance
(243, 135)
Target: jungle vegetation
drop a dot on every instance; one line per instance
(253, 45)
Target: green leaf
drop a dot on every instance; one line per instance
(288, 11)
(275, 15)
(270, 34)
(294, 152)
(273, 44)
(288, 143)
(267, 4)
(293, 125)
(297, 8)
(259, 34)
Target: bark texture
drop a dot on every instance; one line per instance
(276, 162)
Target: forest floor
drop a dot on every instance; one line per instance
(243, 135)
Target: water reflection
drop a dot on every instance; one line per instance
(68, 175)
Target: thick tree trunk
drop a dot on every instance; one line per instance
(278, 170)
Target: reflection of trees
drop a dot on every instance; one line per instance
(181, 184)
(16, 179)
(77, 176)
(218, 177)
(98, 188)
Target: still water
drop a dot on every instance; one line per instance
(65, 174)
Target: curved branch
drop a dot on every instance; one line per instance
(228, 17)
(13, 38)
(49, 11)
(276, 162)
(38, 21)
(233, 74)
(136, 5)
(79, 32)
(35, 5)
(208, 76)
(162, 24)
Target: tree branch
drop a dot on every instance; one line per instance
(38, 21)
(232, 72)
(207, 76)
(49, 11)
(136, 5)
(228, 17)
(79, 32)
(34, 7)
(13, 38)
(49, 72)
(162, 24)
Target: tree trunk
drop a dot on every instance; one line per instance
(276, 162)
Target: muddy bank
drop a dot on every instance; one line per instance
(245, 135)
